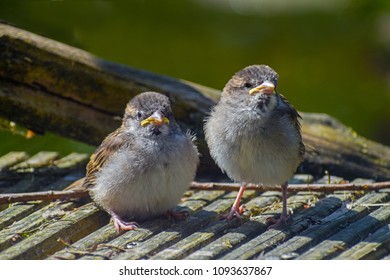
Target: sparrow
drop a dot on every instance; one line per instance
(142, 169)
(254, 134)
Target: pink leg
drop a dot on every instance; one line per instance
(284, 216)
(237, 210)
(121, 225)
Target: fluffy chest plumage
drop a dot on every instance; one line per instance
(252, 146)
(147, 178)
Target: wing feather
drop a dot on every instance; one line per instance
(294, 117)
(111, 144)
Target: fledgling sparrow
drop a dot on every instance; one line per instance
(254, 134)
(142, 169)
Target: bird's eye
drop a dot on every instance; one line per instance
(139, 115)
(247, 85)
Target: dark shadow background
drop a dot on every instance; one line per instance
(333, 56)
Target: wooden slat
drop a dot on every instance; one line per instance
(44, 171)
(28, 225)
(208, 234)
(71, 227)
(386, 258)
(63, 181)
(374, 247)
(87, 245)
(16, 212)
(325, 227)
(147, 229)
(355, 232)
(173, 234)
(258, 224)
(12, 158)
(38, 160)
(296, 224)
(71, 161)
(29, 183)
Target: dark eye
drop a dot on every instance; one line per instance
(248, 85)
(139, 115)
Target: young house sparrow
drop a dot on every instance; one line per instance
(254, 134)
(142, 169)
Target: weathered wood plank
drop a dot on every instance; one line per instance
(73, 160)
(256, 206)
(44, 171)
(277, 245)
(297, 224)
(88, 244)
(28, 183)
(12, 158)
(132, 239)
(257, 224)
(71, 227)
(386, 258)
(16, 212)
(201, 238)
(374, 247)
(38, 160)
(171, 235)
(28, 225)
(64, 181)
(328, 225)
(342, 240)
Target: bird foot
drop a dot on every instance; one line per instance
(177, 215)
(276, 222)
(122, 225)
(235, 213)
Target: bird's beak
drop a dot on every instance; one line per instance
(157, 118)
(266, 88)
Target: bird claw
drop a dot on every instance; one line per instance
(276, 222)
(235, 213)
(121, 225)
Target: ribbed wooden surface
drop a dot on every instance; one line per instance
(340, 225)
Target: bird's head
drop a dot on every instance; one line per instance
(253, 87)
(149, 113)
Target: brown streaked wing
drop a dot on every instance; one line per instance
(112, 143)
(294, 116)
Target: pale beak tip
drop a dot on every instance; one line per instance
(266, 87)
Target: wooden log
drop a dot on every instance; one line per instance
(338, 149)
(49, 86)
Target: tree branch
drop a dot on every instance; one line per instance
(197, 186)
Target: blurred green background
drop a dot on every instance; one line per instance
(333, 56)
